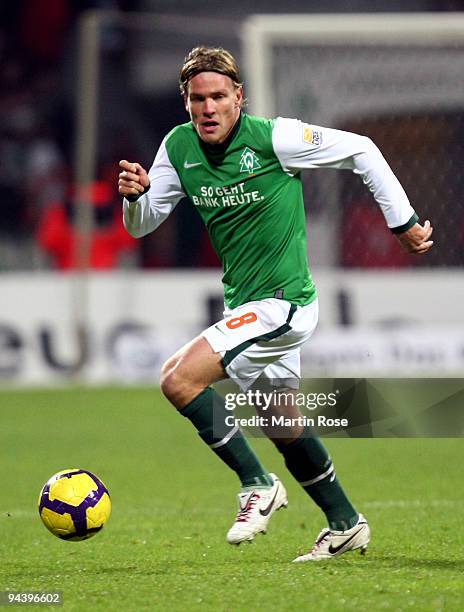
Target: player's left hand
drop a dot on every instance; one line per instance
(417, 238)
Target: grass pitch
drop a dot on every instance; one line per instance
(173, 501)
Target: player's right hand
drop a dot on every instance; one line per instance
(133, 178)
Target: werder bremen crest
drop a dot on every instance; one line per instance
(249, 161)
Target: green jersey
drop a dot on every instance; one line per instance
(252, 209)
(249, 195)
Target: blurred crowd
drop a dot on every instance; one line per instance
(34, 158)
(38, 220)
(36, 139)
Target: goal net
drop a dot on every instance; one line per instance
(395, 78)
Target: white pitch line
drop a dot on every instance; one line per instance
(15, 513)
(412, 503)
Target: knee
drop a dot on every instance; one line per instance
(169, 380)
(176, 385)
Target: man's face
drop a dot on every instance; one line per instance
(213, 103)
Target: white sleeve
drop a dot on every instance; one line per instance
(298, 145)
(152, 208)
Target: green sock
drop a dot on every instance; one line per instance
(309, 462)
(207, 412)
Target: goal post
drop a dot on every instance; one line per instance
(261, 34)
(394, 77)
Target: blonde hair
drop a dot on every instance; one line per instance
(208, 59)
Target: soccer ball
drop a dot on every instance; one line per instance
(74, 505)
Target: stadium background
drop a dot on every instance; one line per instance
(83, 305)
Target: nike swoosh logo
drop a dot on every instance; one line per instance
(187, 165)
(268, 508)
(244, 508)
(335, 549)
(219, 329)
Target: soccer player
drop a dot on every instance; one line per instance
(242, 173)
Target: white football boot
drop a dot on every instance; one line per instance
(331, 543)
(256, 507)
